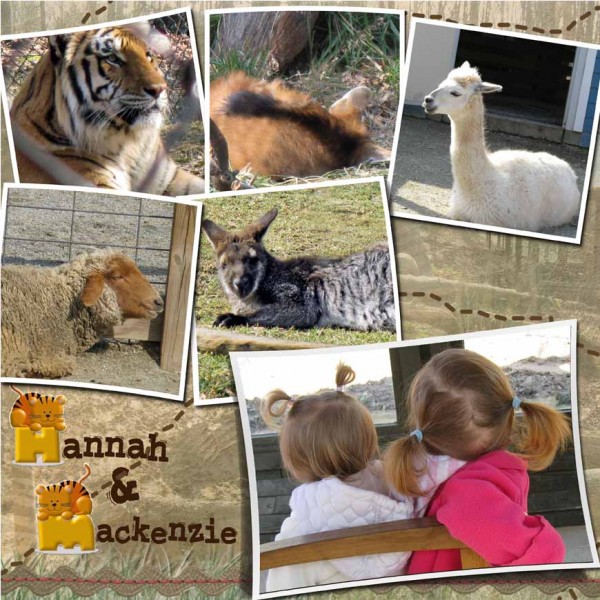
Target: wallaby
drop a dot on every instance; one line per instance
(279, 132)
(354, 292)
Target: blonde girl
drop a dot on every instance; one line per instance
(329, 444)
(462, 405)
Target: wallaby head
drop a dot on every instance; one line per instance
(241, 257)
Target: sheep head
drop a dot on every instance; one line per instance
(135, 295)
(453, 95)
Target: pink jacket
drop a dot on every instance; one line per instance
(484, 504)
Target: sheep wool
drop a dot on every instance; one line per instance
(44, 321)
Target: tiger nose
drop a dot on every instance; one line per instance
(155, 90)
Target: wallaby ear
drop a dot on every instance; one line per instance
(356, 99)
(258, 229)
(488, 88)
(40, 489)
(93, 288)
(466, 65)
(215, 234)
(58, 45)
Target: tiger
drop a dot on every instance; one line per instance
(279, 132)
(95, 102)
(35, 411)
(65, 499)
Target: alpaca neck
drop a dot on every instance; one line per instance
(468, 153)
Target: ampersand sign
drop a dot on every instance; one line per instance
(123, 491)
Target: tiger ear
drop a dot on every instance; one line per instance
(40, 489)
(60, 399)
(93, 288)
(68, 489)
(58, 46)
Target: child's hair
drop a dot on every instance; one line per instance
(462, 405)
(325, 434)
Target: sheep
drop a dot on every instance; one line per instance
(51, 314)
(510, 188)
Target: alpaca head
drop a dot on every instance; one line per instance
(454, 93)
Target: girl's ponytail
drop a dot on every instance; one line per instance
(274, 406)
(344, 375)
(543, 432)
(400, 465)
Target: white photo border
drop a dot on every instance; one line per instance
(401, 13)
(180, 396)
(415, 21)
(293, 188)
(91, 27)
(252, 481)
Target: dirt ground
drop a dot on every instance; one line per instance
(127, 364)
(422, 178)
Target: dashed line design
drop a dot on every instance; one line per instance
(102, 9)
(488, 315)
(518, 26)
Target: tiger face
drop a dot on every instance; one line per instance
(110, 77)
(53, 500)
(49, 411)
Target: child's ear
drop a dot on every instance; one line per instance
(93, 288)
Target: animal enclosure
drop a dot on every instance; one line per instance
(48, 227)
(182, 132)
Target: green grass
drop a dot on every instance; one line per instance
(329, 222)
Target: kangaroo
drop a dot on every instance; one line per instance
(279, 132)
(355, 292)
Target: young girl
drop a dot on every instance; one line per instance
(328, 442)
(462, 405)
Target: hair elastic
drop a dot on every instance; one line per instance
(516, 402)
(291, 401)
(341, 388)
(418, 434)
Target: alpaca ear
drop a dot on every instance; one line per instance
(93, 288)
(215, 234)
(258, 229)
(466, 65)
(488, 88)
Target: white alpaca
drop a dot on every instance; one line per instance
(510, 188)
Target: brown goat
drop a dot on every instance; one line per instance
(279, 132)
(51, 314)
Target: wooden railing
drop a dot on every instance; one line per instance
(397, 536)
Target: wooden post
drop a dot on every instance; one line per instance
(178, 287)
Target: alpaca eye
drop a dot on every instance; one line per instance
(149, 56)
(455, 94)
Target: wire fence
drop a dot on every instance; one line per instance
(51, 227)
(19, 57)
